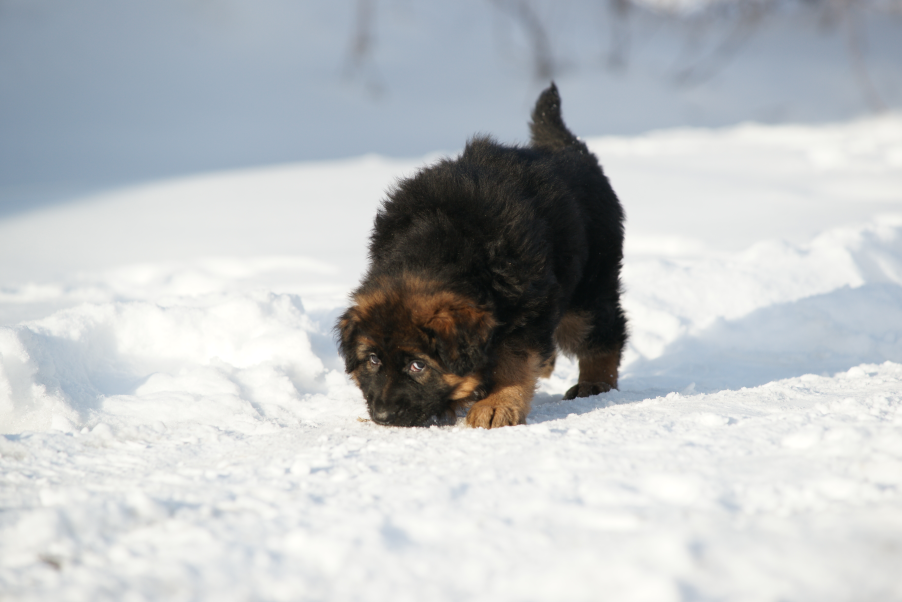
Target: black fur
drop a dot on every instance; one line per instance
(524, 233)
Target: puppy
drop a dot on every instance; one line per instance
(480, 269)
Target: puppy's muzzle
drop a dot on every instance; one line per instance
(385, 413)
(382, 416)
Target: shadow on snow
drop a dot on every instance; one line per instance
(823, 334)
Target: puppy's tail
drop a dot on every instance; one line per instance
(547, 126)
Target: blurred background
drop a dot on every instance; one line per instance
(97, 94)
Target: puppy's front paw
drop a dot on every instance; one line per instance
(490, 413)
(586, 390)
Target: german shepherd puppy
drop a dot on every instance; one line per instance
(481, 268)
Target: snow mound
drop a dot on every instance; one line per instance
(237, 359)
(773, 311)
(246, 359)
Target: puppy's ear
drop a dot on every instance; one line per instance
(348, 330)
(460, 335)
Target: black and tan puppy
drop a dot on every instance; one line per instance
(480, 268)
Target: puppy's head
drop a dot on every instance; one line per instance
(414, 348)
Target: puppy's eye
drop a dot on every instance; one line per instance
(374, 359)
(417, 366)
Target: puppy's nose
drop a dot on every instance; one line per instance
(381, 415)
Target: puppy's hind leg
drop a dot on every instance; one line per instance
(596, 340)
(597, 374)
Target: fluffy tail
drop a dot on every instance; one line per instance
(547, 126)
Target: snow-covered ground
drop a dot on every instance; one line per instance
(178, 425)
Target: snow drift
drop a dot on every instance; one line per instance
(774, 311)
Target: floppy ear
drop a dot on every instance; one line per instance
(460, 335)
(348, 330)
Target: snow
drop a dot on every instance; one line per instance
(178, 426)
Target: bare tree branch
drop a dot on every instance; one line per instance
(522, 11)
(859, 64)
(747, 20)
(363, 41)
(742, 18)
(618, 57)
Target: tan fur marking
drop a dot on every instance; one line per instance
(509, 401)
(597, 374)
(600, 368)
(364, 345)
(424, 299)
(547, 367)
(408, 308)
(411, 351)
(463, 385)
(572, 331)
